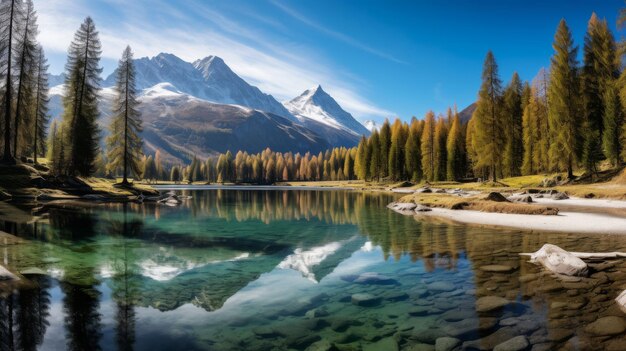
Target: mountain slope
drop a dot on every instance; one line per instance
(181, 126)
(467, 113)
(316, 105)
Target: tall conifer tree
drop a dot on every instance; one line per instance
(385, 145)
(490, 126)
(41, 116)
(124, 143)
(428, 147)
(455, 150)
(513, 150)
(80, 101)
(441, 134)
(10, 15)
(564, 107)
(26, 64)
(413, 157)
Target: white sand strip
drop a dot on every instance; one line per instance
(577, 201)
(575, 222)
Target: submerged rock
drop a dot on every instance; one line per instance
(517, 343)
(446, 343)
(490, 303)
(384, 344)
(604, 326)
(365, 300)
(497, 268)
(557, 260)
(374, 279)
(441, 286)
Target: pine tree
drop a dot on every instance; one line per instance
(396, 152)
(512, 109)
(10, 16)
(428, 147)
(613, 120)
(563, 95)
(26, 63)
(489, 127)
(455, 150)
(530, 128)
(175, 175)
(385, 145)
(41, 116)
(441, 135)
(544, 134)
(413, 157)
(80, 101)
(53, 146)
(124, 144)
(374, 151)
(361, 162)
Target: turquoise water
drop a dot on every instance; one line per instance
(290, 270)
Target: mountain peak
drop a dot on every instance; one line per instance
(211, 60)
(315, 104)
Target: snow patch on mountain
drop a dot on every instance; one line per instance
(371, 125)
(315, 104)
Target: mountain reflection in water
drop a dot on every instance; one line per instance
(259, 270)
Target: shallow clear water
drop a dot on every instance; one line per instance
(290, 269)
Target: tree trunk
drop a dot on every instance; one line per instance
(125, 180)
(8, 158)
(20, 86)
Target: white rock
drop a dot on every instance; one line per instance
(559, 261)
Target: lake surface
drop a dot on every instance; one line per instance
(291, 269)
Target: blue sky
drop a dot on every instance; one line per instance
(377, 58)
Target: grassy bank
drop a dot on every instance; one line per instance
(27, 181)
(612, 188)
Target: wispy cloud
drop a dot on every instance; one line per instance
(281, 68)
(334, 34)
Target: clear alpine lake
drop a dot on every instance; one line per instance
(254, 269)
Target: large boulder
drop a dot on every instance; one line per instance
(497, 197)
(559, 261)
(560, 196)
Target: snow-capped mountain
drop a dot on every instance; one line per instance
(316, 105)
(203, 108)
(371, 125)
(209, 79)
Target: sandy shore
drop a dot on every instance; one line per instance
(564, 222)
(577, 201)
